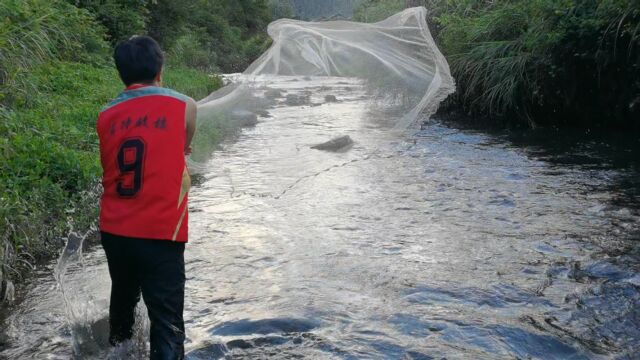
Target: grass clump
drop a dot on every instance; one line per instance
(538, 62)
(33, 32)
(558, 63)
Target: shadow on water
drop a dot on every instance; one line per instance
(604, 315)
(607, 150)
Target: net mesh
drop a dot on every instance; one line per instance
(397, 60)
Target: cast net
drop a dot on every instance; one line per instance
(396, 61)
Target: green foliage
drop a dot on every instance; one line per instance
(167, 20)
(191, 82)
(537, 62)
(49, 157)
(549, 62)
(192, 50)
(229, 33)
(224, 35)
(281, 9)
(33, 32)
(376, 10)
(491, 53)
(121, 18)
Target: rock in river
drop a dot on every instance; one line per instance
(330, 98)
(335, 144)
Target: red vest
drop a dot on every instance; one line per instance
(142, 136)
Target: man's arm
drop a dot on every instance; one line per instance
(191, 114)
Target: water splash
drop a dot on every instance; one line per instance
(86, 313)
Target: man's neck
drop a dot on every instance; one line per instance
(138, 85)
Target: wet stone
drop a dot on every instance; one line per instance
(273, 94)
(296, 100)
(335, 144)
(263, 114)
(239, 344)
(330, 98)
(264, 326)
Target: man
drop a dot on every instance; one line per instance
(144, 135)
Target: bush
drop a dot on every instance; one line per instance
(229, 31)
(120, 18)
(537, 62)
(193, 50)
(191, 82)
(167, 20)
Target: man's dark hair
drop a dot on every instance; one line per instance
(139, 60)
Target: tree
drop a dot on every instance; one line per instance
(167, 19)
(121, 18)
(281, 9)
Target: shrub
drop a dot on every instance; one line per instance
(120, 18)
(191, 82)
(230, 32)
(536, 61)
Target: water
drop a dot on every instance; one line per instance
(444, 244)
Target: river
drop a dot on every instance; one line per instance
(443, 243)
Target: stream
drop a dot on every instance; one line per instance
(440, 243)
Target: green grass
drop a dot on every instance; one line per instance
(49, 168)
(36, 32)
(191, 82)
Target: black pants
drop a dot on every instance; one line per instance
(154, 268)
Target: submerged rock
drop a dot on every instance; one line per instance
(263, 114)
(330, 98)
(244, 117)
(335, 144)
(273, 93)
(296, 100)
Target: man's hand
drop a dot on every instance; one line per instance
(188, 151)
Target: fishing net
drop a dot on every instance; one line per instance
(396, 61)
